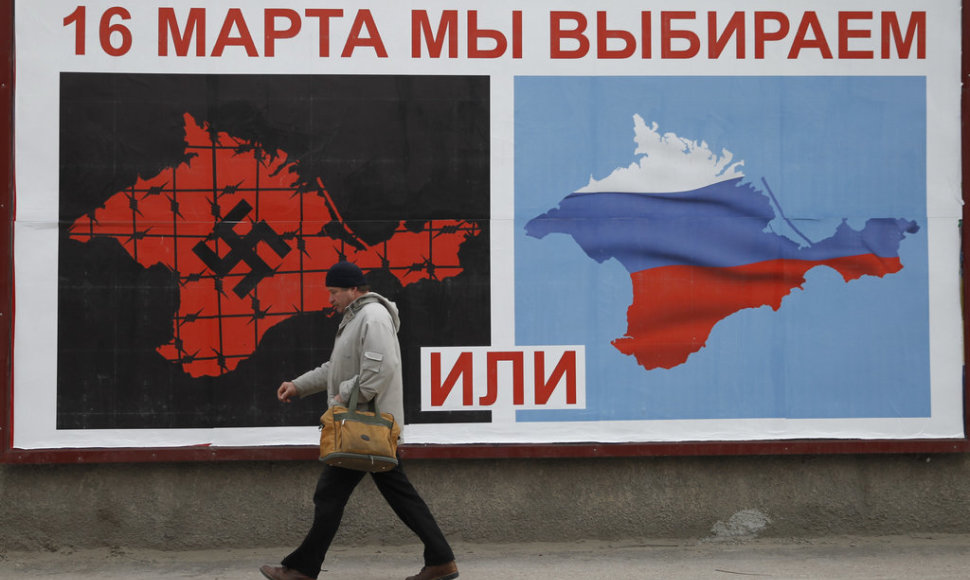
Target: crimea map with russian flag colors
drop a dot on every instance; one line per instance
(698, 240)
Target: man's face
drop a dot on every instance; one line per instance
(340, 298)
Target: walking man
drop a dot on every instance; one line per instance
(366, 346)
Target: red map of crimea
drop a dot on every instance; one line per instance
(249, 245)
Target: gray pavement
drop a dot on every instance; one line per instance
(926, 557)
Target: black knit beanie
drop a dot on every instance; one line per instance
(345, 275)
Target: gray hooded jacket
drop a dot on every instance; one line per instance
(366, 345)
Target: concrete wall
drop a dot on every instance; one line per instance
(194, 505)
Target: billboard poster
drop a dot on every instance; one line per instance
(601, 222)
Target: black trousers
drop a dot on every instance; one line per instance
(333, 491)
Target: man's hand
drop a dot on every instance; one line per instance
(286, 392)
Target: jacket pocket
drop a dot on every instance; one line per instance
(372, 362)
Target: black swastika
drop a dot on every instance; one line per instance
(241, 249)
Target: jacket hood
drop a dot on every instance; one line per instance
(370, 297)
